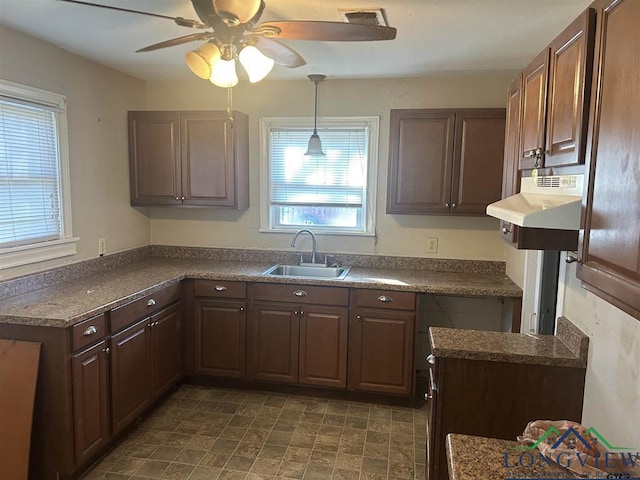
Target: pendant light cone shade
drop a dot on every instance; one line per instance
(315, 144)
(202, 59)
(242, 10)
(256, 64)
(224, 74)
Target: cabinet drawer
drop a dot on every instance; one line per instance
(88, 331)
(305, 294)
(219, 289)
(129, 313)
(385, 299)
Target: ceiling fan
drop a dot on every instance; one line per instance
(230, 30)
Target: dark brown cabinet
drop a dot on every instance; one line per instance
(146, 353)
(220, 328)
(188, 158)
(609, 242)
(130, 374)
(495, 399)
(555, 89)
(91, 426)
(445, 161)
(381, 341)
(303, 341)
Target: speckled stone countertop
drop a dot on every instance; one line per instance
(480, 458)
(63, 304)
(567, 348)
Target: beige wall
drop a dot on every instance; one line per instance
(97, 102)
(459, 237)
(612, 396)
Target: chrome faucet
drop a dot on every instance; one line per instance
(313, 239)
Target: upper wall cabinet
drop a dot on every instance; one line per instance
(555, 92)
(609, 242)
(445, 161)
(189, 158)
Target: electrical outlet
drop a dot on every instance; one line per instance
(432, 244)
(102, 246)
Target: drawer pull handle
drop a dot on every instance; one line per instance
(385, 299)
(300, 293)
(220, 288)
(90, 331)
(151, 303)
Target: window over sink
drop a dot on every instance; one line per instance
(331, 193)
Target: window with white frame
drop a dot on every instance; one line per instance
(331, 193)
(35, 216)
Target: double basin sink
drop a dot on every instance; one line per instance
(309, 270)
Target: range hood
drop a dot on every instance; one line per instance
(543, 202)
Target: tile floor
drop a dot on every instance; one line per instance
(201, 433)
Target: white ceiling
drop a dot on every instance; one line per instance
(433, 35)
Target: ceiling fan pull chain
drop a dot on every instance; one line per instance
(230, 106)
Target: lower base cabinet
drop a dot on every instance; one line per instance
(381, 342)
(302, 342)
(495, 399)
(90, 376)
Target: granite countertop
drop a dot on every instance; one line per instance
(480, 458)
(66, 303)
(567, 348)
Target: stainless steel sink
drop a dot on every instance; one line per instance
(308, 271)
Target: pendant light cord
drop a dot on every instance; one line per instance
(230, 105)
(315, 111)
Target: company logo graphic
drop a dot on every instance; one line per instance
(571, 436)
(577, 451)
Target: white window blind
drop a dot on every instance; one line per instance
(29, 176)
(336, 179)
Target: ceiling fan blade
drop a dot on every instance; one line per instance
(283, 55)
(183, 22)
(177, 41)
(328, 31)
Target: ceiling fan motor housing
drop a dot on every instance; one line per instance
(234, 12)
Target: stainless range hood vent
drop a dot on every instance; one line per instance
(543, 202)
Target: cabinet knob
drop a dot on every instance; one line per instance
(572, 257)
(178, 198)
(182, 198)
(220, 288)
(446, 205)
(431, 360)
(454, 205)
(301, 312)
(385, 299)
(300, 293)
(428, 396)
(90, 331)
(242, 309)
(506, 230)
(151, 302)
(106, 350)
(530, 153)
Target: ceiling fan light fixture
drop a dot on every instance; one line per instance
(201, 60)
(256, 64)
(315, 144)
(223, 74)
(236, 11)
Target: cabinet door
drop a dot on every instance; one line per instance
(154, 158)
(220, 338)
(90, 401)
(609, 242)
(166, 351)
(208, 168)
(534, 111)
(420, 161)
(323, 346)
(275, 339)
(570, 68)
(478, 159)
(381, 351)
(130, 374)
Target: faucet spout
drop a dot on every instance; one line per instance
(313, 240)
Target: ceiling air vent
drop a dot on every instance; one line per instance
(370, 16)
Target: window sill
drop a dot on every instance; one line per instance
(317, 231)
(38, 252)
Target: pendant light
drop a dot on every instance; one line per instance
(315, 145)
